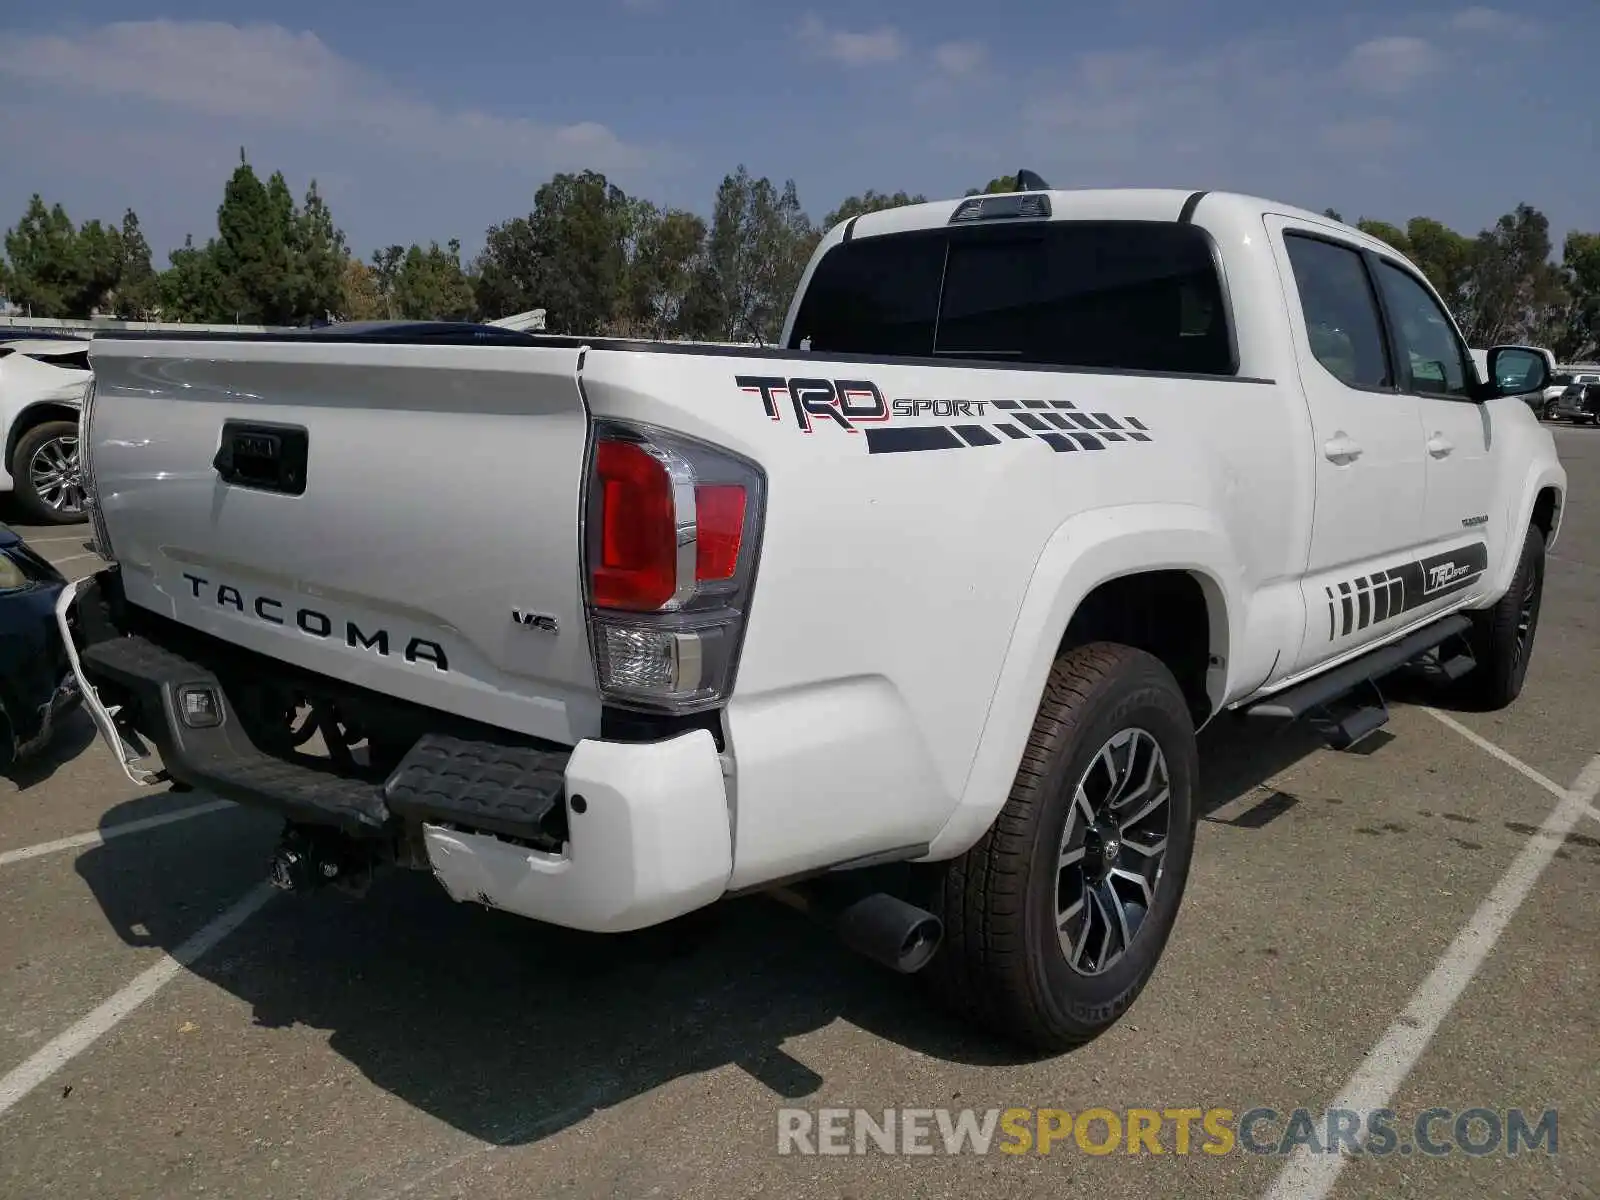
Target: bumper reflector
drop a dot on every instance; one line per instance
(199, 707)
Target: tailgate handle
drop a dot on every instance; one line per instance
(269, 458)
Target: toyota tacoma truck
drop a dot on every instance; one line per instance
(939, 590)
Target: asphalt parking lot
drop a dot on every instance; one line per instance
(1371, 926)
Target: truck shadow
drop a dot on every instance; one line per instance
(72, 736)
(511, 1031)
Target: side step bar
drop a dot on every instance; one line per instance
(1318, 692)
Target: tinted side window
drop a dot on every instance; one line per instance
(874, 296)
(1139, 296)
(1429, 352)
(1341, 313)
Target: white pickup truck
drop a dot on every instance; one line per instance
(938, 592)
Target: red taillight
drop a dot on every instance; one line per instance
(667, 602)
(719, 526)
(637, 567)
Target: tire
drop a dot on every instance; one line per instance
(1002, 963)
(1502, 637)
(45, 473)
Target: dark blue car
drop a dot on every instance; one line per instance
(37, 687)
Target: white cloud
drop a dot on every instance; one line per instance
(274, 77)
(1392, 65)
(1479, 21)
(1483, 20)
(961, 59)
(881, 45)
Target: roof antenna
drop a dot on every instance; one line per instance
(1029, 181)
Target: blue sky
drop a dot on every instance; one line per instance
(434, 121)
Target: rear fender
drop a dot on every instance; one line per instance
(1085, 552)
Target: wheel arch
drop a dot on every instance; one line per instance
(1081, 589)
(1539, 501)
(33, 416)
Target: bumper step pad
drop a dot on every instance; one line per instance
(510, 790)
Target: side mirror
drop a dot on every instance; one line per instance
(1515, 371)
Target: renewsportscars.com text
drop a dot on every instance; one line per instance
(1433, 1132)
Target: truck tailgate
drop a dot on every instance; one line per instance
(440, 495)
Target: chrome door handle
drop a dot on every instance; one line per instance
(1341, 449)
(1439, 445)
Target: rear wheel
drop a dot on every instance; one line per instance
(1055, 919)
(46, 474)
(1502, 636)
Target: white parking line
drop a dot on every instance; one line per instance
(71, 558)
(79, 538)
(78, 1037)
(1308, 1176)
(1488, 747)
(98, 836)
(1593, 812)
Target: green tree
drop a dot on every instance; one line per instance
(666, 249)
(57, 269)
(868, 202)
(192, 287)
(1515, 288)
(1446, 258)
(317, 259)
(1387, 233)
(429, 285)
(1577, 335)
(252, 251)
(385, 266)
(995, 186)
(568, 256)
(509, 269)
(138, 297)
(1332, 214)
(40, 249)
(759, 242)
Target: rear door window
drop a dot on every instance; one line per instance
(1135, 296)
(1341, 312)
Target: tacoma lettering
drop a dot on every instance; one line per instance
(317, 624)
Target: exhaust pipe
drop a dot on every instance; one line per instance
(889, 931)
(879, 926)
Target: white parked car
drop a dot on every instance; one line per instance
(600, 631)
(42, 381)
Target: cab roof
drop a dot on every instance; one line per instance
(1206, 208)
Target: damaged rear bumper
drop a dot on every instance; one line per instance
(603, 836)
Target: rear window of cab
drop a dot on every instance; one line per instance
(1110, 295)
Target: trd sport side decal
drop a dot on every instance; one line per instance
(1355, 604)
(858, 406)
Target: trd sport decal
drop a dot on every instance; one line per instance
(858, 406)
(1355, 604)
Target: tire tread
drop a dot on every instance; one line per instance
(982, 971)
